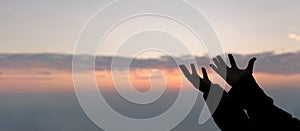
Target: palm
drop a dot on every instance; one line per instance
(203, 84)
(231, 74)
(235, 74)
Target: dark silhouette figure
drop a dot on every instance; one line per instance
(250, 96)
(245, 94)
(228, 115)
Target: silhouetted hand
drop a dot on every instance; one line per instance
(231, 74)
(228, 115)
(203, 84)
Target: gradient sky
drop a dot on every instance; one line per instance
(52, 26)
(53, 72)
(243, 26)
(37, 39)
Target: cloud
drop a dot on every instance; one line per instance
(36, 61)
(44, 73)
(268, 62)
(294, 36)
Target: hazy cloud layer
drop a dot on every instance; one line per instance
(294, 36)
(268, 62)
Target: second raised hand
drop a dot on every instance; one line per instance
(231, 74)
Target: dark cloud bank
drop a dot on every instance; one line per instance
(268, 62)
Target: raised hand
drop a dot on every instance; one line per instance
(231, 74)
(203, 84)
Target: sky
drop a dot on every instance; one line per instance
(269, 30)
(38, 38)
(244, 27)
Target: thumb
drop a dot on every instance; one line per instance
(251, 64)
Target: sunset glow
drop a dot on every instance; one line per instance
(141, 80)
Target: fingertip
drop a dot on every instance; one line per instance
(253, 59)
(230, 56)
(251, 64)
(182, 67)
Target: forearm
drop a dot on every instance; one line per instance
(248, 93)
(229, 115)
(260, 107)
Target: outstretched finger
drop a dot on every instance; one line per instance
(232, 61)
(194, 70)
(205, 76)
(217, 63)
(222, 62)
(251, 64)
(185, 71)
(214, 68)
